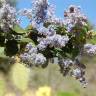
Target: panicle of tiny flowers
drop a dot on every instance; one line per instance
(7, 16)
(29, 46)
(66, 62)
(40, 59)
(39, 10)
(74, 16)
(46, 31)
(79, 75)
(57, 21)
(50, 11)
(68, 66)
(90, 49)
(42, 11)
(58, 40)
(53, 41)
(24, 57)
(32, 57)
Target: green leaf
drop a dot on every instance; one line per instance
(2, 54)
(61, 30)
(11, 48)
(2, 40)
(92, 41)
(26, 40)
(46, 24)
(94, 33)
(75, 52)
(18, 29)
(58, 49)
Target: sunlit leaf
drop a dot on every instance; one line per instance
(92, 41)
(17, 29)
(2, 54)
(26, 40)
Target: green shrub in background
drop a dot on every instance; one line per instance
(61, 93)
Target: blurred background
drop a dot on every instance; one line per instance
(18, 80)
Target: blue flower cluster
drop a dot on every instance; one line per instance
(53, 41)
(73, 68)
(32, 57)
(42, 10)
(74, 16)
(90, 49)
(7, 16)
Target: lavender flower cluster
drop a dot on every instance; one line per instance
(79, 75)
(74, 16)
(32, 57)
(90, 49)
(7, 16)
(53, 41)
(42, 11)
(73, 68)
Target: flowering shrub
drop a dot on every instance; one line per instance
(47, 37)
